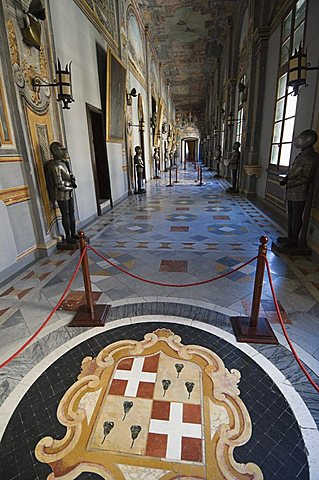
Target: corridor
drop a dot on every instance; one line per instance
(184, 234)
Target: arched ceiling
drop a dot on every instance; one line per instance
(188, 37)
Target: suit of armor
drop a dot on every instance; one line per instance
(62, 184)
(63, 180)
(139, 165)
(234, 166)
(300, 176)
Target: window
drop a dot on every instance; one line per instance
(292, 35)
(240, 109)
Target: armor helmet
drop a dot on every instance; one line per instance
(58, 150)
(306, 139)
(236, 145)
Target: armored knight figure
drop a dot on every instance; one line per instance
(62, 183)
(234, 167)
(156, 161)
(299, 178)
(139, 165)
(170, 156)
(218, 159)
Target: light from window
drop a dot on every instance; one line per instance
(292, 36)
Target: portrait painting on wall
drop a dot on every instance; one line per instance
(159, 123)
(136, 48)
(116, 88)
(155, 81)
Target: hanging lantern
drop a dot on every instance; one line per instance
(297, 70)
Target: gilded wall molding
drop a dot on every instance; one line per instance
(5, 127)
(13, 44)
(13, 158)
(28, 64)
(26, 252)
(13, 195)
(41, 135)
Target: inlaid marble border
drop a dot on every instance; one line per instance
(303, 416)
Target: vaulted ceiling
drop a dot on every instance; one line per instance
(188, 36)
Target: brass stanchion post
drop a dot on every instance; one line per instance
(88, 315)
(176, 181)
(255, 329)
(170, 177)
(197, 169)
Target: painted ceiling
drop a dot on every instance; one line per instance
(188, 37)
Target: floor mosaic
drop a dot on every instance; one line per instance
(153, 407)
(154, 237)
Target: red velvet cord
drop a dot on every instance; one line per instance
(315, 386)
(49, 317)
(171, 284)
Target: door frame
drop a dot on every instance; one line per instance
(91, 108)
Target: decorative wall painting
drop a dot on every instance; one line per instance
(116, 88)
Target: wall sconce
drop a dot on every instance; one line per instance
(129, 96)
(297, 70)
(63, 83)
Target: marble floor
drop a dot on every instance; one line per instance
(77, 405)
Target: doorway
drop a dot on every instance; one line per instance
(99, 159)
(190, 150)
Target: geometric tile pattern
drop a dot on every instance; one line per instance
(227, 229)
(173, 266)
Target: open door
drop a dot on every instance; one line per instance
(99, 160)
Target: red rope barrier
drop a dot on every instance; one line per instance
(24, 346)
(170, 284)
(313, 383)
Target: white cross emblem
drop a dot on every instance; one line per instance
(134, 377)
(175, 429)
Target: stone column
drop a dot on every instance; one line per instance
(256, 89)
(148, 96)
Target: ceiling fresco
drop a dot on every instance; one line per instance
(188, 37)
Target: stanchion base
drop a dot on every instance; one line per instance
(83, 318)
(263, 333)
(293, 251)
(170, 185)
